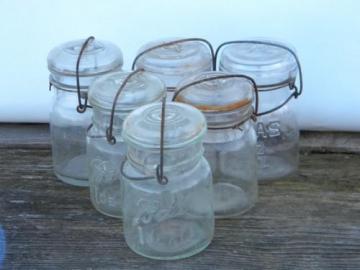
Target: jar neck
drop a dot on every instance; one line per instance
(270, 99)
(176, 161)
(68, 81)
(101, 120)
(68, 99)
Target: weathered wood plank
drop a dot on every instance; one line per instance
(309, 221)
(24, 135)
(345, 142)
(37, 136)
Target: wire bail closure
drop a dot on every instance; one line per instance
(219, 77)
(109, 131)
(291, 83)
(178, 41)
(162, 179)
(81, 108)
(159, 171)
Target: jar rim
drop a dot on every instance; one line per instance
(217, 108)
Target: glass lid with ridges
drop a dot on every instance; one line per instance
(180, 58)
(183, 125)
(267, 64)
(142, 88)
(98, 57)
(224, 98)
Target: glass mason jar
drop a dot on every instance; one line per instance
(230, 144)
(105, 151)
(70, 117)
(274, 67)
(175, 59)
(171, 216)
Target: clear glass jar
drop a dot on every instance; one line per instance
(67, 125)
(173, 220)
(230, 144)
(274, 67)
(104, 155)
(174, 62)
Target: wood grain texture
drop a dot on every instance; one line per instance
(345, 142)
(37, 136)
(24, 136)
(309, 221)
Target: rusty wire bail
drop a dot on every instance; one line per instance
(291, 83)
(211, 48)
(219, 77)
(159, 171)
(81, 108)
(109, 131)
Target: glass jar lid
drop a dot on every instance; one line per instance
(265, 63)
(183, 125)
(177, 59)
(140, 89)
(99, 57)
(225, 100)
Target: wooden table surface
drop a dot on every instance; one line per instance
(309, 221)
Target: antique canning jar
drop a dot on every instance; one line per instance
(274, 68)
(230, 144)
(105, 147)
(175, 59)
(167, 210)
(70, 116)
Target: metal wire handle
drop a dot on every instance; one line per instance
(291, 83)
(161, 178)
(177, 42)
(109, 131)
(219, 77)
(81, 108)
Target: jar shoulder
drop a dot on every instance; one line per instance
(70, 117)
(284, 115)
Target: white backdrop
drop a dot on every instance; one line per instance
(326, 34)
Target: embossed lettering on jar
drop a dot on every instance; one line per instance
(173, 220)
(230, 143)
(106, 154)
(274, 67)
(67, 125)
(172, 63)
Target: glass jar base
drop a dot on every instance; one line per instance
(177, 257)
(234, 215)
(72, 181)
(73, 171)
(230, 200)
(106, 213)
(172, 239)
(274, 168)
